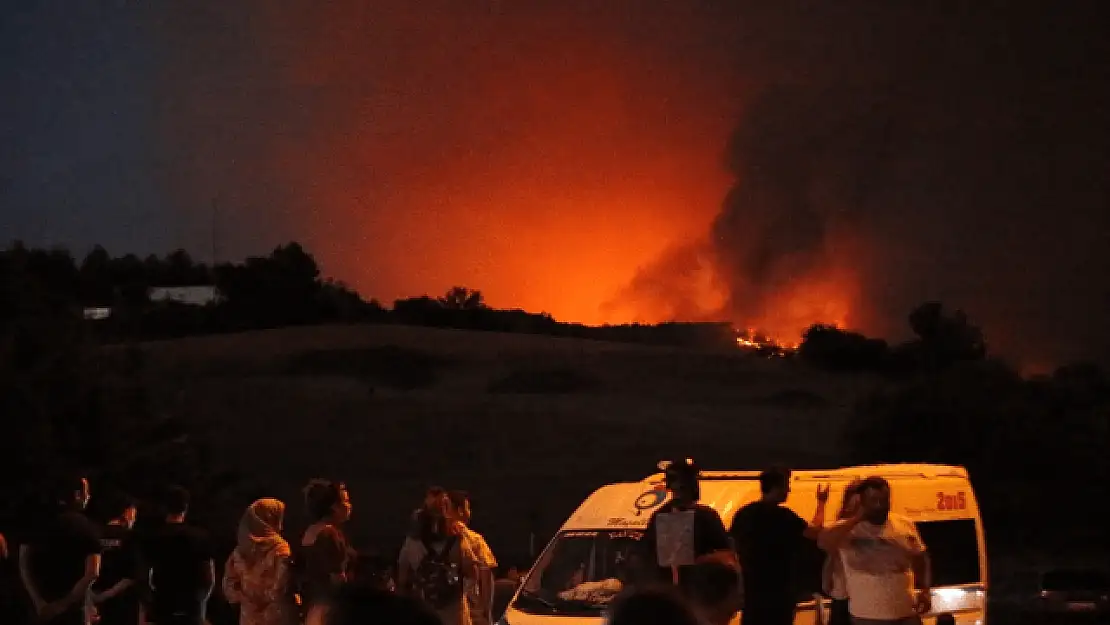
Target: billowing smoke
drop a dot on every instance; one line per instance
(896, 155)
(778, 256)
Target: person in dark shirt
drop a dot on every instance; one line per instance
(181, 571)
(709, 536)
(115, 593)
(61, 559)
(325, 555)
(767, 536)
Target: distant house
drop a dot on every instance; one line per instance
(190, 295)
(97, 313)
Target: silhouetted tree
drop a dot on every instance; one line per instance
(831, 348)
(943, 340)
(97, 281)
(462, 298)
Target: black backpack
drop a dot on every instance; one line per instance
(438, 579)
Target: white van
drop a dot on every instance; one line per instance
(581, 569)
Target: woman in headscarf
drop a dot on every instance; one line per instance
(257, 575)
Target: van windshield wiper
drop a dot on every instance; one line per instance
(536, 597)
(561, 606)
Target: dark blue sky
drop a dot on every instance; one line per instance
(554, 152)
(78, 163)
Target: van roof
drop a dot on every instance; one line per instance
(628, 505)
(888, 471)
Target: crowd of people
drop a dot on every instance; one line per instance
(77, 573)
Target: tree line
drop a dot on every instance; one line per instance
(284, 288)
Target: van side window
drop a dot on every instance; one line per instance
(953, 550)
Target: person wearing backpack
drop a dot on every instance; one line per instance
(435, 566)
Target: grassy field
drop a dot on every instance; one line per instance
(528, 424)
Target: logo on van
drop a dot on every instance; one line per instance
(650, 499)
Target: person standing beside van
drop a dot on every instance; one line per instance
(767, 536)
(832, 574)
(436, 567)
(880, 552)
(706, 538)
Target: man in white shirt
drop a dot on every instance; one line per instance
(880, 553)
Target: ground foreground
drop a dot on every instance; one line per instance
(528, 424)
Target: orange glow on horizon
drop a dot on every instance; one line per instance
(542, 158)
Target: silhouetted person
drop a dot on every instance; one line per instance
(181, 570)
(325, 556)
(357, 604)
(833, 581)
(709, 541)
(714, 592)
(61, 559)
(116, 592)
(479, 592)
(428, 517)
(651, 605)
(767, 536)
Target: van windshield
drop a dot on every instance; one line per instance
(580, 573)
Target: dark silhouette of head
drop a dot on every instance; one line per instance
(360, 604)
(460, 505)
(432, 498)
(658, 605)
(874, 499)
(177, 501)
(681, 478)
(72, 492)
(774, 483)
(714, 591)
(327, 501)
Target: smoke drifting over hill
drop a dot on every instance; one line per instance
(772, 163)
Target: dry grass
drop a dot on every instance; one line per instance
(528, 424)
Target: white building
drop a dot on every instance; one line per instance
(191, 295)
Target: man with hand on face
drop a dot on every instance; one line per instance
(880, 552)
(709, 540)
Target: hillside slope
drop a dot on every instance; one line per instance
(529, 424)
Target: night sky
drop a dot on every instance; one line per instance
(774, 164)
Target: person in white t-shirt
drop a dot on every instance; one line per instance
(880, 552)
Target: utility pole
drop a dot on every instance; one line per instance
(215, 228)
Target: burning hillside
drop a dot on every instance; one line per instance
(753, 341)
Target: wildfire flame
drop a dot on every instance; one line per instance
(754, 341)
